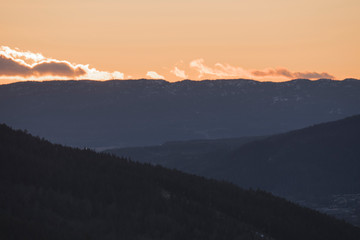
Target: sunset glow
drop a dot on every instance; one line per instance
(100, 40)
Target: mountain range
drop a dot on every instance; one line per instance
(123, 113)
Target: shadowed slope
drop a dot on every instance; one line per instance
(54, 192)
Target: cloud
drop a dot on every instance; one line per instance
(16, 54)
(227, 71)
(27, 65)
(20, 65)
(179, 73)
(154, 75)
(11, 67)
(286, 73)
(219, 70)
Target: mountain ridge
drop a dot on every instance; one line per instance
(128, 113)
(184, 80)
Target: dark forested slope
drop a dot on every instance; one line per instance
(54, 192)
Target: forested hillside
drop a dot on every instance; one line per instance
(54, 192)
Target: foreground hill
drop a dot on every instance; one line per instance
(54, 192)
(146, 112)
(313, 163)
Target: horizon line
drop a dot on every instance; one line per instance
(201, 80)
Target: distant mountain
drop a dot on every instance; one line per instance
(322, 159)
(313, 163)
(147, 112)
(52, 192)
(194, 156)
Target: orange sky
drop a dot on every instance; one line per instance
(261, 39)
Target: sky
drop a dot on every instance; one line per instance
(266, 40)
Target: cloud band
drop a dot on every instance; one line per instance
(227, 71)
(16, 63)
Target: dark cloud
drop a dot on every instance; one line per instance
(225, 70)
(11, 68)
(286, 73)
(58, 69)
(311, 75)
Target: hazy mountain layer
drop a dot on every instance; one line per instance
(314, 163)
(324, 158)
(147, 112)
(195, 156)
